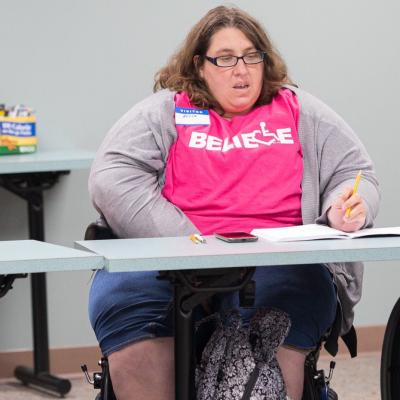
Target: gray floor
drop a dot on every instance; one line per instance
(353, 379)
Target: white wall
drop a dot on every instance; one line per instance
(82, 64)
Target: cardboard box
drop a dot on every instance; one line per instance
(17, 135)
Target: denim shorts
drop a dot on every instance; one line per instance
(126, 307)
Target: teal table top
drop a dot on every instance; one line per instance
(27, 256)
(46, 160)
(170, 253)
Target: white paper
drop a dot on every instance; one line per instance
(315, 232)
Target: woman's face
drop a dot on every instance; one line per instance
(235, 88)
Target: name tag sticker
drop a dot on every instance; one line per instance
(191, 116)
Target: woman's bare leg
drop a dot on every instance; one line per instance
(292, 366)
(144, 370)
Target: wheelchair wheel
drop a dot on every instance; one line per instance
(390, 360)
(332, 395)
(326, 393)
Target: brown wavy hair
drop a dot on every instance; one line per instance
(182, 70)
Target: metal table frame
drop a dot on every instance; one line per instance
(175, 254)
(28, 176)
(30, 187)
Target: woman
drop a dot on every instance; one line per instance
(228, 144)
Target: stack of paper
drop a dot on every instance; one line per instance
(314, 232)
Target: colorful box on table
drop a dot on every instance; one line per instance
(17, 135)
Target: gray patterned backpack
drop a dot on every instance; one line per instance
(240, 363)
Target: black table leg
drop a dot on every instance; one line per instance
(184, 331)
(30, 187)
(192, 288)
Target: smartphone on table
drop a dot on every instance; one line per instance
(236, 237)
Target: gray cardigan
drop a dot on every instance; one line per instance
(127, 177)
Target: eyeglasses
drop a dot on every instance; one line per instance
(254, 57)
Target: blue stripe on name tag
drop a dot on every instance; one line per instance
(183, 110)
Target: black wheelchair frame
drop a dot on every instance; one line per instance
(191, 289)
(6, 282)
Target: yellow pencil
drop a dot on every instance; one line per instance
(194, 239)
(355, 187)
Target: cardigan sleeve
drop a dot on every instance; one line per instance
(125, 181)
(341, 155)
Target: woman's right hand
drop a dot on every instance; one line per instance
(337, 212)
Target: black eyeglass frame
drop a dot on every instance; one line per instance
(214, 60)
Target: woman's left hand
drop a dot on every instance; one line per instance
(337, 213)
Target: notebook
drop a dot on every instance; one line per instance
(315, 232)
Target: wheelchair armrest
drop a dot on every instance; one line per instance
(99, 231)
(6, 282)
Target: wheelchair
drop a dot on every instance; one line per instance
(195, 288)
(6, 282)
(390, 358)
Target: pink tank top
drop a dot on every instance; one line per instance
(238, 174)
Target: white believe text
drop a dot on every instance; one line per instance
(251, 140)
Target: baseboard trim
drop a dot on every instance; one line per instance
(62, 361)
(69, 360)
